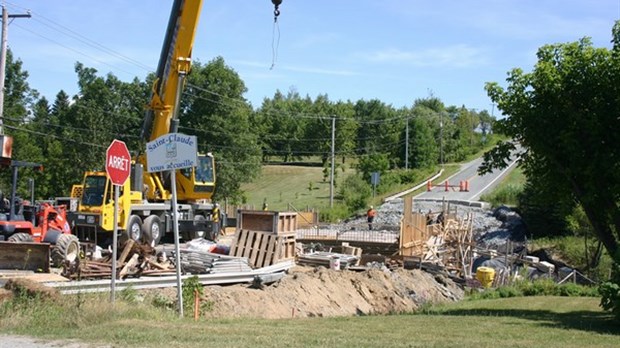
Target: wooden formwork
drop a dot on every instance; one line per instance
(449, 244)
(267, 221)
(414, 231)
(263, 248)
(307, 219)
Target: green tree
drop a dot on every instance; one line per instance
(280, 130)
(564, 115)
(19, 101)
(216, 112)
(355, 192)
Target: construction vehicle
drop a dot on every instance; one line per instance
(145, 212)
(26, 221)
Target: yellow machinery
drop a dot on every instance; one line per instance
(144, 203)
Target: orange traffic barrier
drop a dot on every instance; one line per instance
(429, 186)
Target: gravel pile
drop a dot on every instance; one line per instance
(492, 228)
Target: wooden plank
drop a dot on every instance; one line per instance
(247, 243)
(126, 251)
(262, 252)
(133, 261)
(270, 253)
(256, 251)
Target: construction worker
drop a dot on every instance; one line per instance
(215, 218)
(370, 216)
(265, 206)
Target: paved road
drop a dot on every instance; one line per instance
(477, 184)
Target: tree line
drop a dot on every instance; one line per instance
(70, 134)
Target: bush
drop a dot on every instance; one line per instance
(509, 291)
(337, 213)
(355, 192)
(610, 293)
(540, 287)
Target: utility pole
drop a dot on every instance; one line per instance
(407, 145)
(331, 180)
(3, 48)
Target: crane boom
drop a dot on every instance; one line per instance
(174, 63)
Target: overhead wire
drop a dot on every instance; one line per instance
(223, 100)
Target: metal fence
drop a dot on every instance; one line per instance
(359, 233)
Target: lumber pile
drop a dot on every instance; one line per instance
(324, 258)
(135, 260)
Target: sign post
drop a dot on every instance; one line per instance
(374, 180)
(170, 152)
(118, 167)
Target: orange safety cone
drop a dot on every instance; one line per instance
(446, 185)
(467, 185)
(429, 186)
(461, 186)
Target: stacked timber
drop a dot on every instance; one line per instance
(324, 258)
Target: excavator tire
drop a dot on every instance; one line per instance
(21, 237)
(67, 248)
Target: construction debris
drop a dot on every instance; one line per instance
(327, 259)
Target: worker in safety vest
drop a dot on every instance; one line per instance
(370, 215)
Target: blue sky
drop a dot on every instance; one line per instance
(395, 51)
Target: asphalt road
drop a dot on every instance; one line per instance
(477, 184)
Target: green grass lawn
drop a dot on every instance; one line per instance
(282, 185)
(511, 322)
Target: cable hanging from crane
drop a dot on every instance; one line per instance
(275, 46)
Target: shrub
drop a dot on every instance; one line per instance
(355, 192)
(509, 291)
(610, 293)
(337, 213)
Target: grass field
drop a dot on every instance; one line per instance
(511, 322)
(281, 185)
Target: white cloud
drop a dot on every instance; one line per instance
(459, 56)
(300, 69)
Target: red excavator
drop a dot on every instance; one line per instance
(23, 221)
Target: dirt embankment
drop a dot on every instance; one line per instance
(321, 292)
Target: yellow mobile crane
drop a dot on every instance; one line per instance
(145, 212)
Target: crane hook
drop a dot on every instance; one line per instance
(276, 11)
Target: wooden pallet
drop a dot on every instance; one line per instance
(263, 248)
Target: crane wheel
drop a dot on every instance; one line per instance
(67, 248)
(20, 237)
(151, 230)
(133, 231)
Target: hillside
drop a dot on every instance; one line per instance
(280, 185)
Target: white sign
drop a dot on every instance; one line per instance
(171, 151)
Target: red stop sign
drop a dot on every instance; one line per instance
(117, 162)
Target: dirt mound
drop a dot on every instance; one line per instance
(31, 289)
(321, 292)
